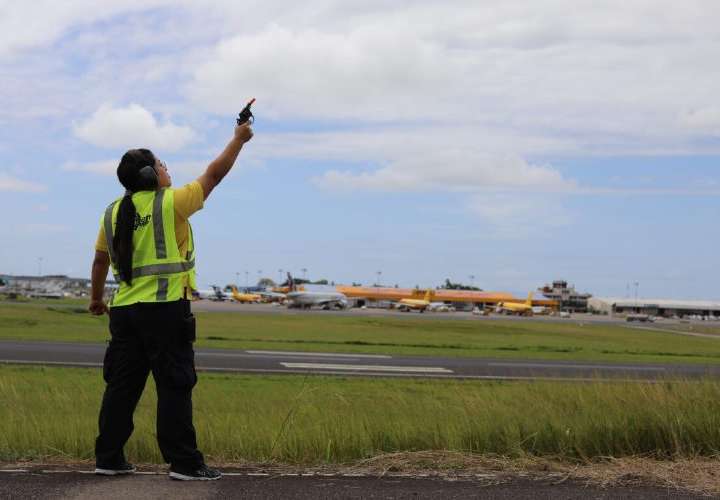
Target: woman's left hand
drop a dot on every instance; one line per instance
(98, 307)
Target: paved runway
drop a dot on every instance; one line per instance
(284, 362)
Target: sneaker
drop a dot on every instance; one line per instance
(202, 473)
(115, 470)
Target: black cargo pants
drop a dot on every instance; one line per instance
(157, 338)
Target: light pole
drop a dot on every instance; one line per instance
(636, 296)
(379, 273)
(304, 271)
(246, 279)
(237, 279)
(472, 281)
(280, 273)
(40, 259)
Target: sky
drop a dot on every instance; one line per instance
(504, 143)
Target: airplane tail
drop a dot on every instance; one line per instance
(291, 283)
(529, 299)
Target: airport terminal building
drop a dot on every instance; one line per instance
(667, 308)
(51, 286)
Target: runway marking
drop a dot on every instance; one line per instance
(370, 368)
(374, 373)
(58, 363)
(573, 367)
(322, 354)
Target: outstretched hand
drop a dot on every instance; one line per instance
(98, 307)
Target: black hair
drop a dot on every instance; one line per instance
(128, 173)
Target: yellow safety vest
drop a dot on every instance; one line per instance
(159, 272)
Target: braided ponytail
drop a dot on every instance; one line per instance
(127, 172)
(122, 240)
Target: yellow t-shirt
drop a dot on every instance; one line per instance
(188, 200)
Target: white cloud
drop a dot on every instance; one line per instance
(26, 25)
(131, 127)
(372, 72)
(10, 183)
(704, 120)
(101, 167)
(451, 170)
(605, 78)
(519, 215)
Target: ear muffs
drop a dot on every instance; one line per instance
(148, 177)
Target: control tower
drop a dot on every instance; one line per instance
(566, 296)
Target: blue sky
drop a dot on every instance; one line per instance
(514, 141)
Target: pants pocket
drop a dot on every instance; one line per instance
(188, 328)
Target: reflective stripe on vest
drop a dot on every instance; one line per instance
(159, 272)
(159, 269)
(158, 227)
(108, 224)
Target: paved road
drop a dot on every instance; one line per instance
(73, 485)
(256, 361)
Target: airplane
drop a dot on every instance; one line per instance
(245, 298)
(307, 300)
(440, 307)
(268, 296)
(215, 294)
(520, 308)
(421, 305)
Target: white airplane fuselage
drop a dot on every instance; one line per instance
(317, 299)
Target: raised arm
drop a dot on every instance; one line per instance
(221, 165)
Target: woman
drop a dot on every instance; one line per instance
(147, 239)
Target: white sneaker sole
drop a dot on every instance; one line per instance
(183, 477)
(113, 472)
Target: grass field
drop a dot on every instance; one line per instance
(68, 321)
(52, 412)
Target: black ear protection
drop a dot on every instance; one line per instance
(148, 177)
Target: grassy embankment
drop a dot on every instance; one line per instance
(68, 321)
(52, 412)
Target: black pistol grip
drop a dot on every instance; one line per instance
(245, 118)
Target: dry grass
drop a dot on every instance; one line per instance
(699, 475)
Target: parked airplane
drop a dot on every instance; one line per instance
(421, 305)
(521, 308)
(245, 298)
(307, 300)
(214, 294)
(272, 296)
(440, 307)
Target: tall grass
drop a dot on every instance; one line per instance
(53, 412)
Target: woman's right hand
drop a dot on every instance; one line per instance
(243, 132)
